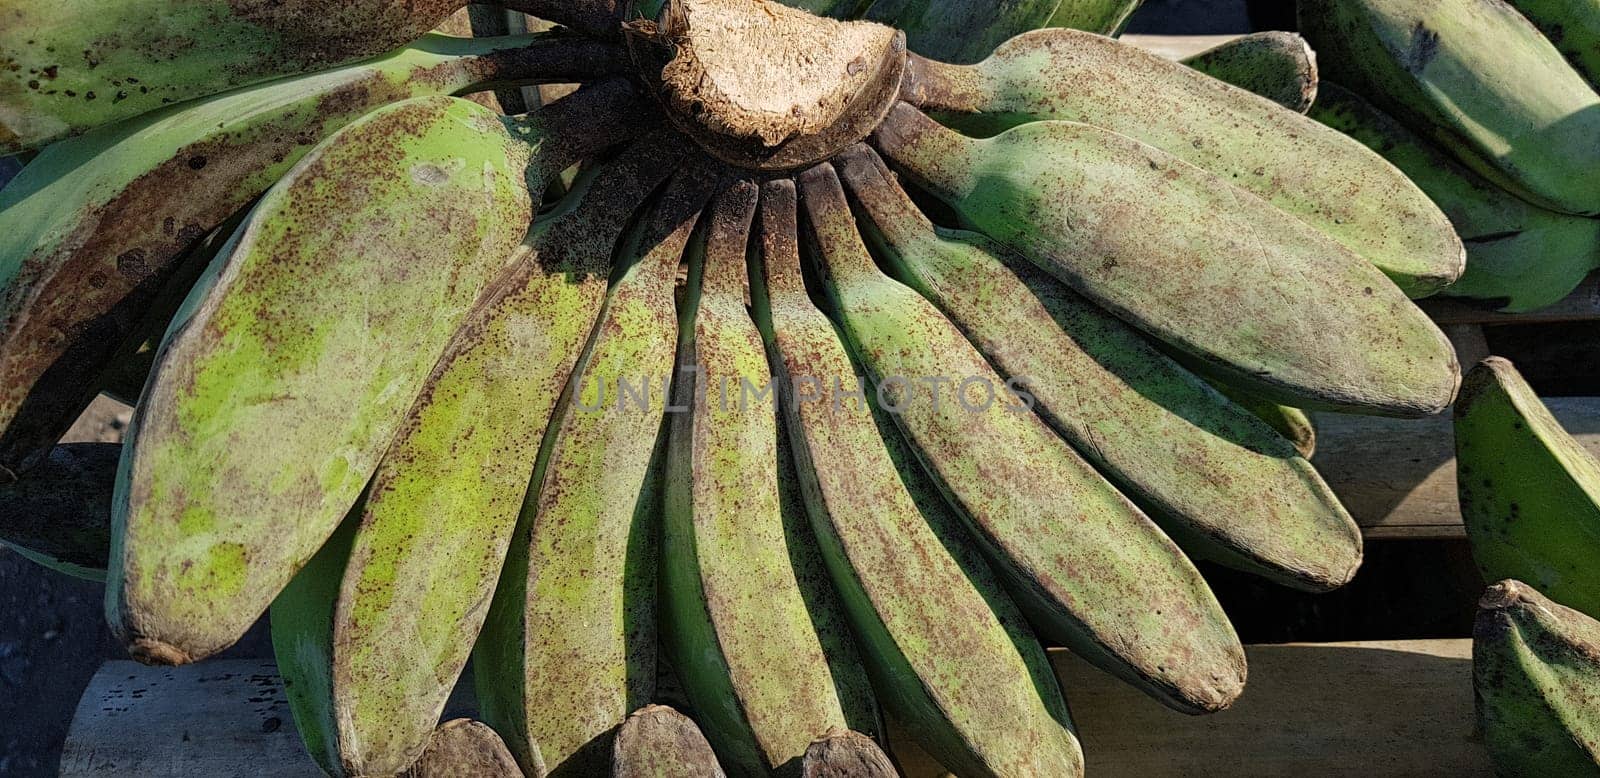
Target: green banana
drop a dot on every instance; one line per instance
(1573, 26)
(1518, 254)
(1219, 481)
(464, 454)
(1106, 17)
(1477, 78)
(283, 380)
(1279, 66)
(961, 31)
(463, 748)
(947, 649)
(59, 515)
(569, 646)
(1091, 571)
(751, 626)
(846, 754)
(1326, 180)
(1536, 673)
(1190, 259)
(75, 65)
(97, 226)
(1530, 495)
(658, 742)
(1293, 424)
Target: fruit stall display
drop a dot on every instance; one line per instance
(806, 368)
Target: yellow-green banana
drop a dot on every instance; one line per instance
(1573, 26)
(1279, 66)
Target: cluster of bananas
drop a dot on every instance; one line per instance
(1491, 108)
(849, 458)
(1530, 496)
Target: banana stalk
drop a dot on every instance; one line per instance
(947, 649)
(1279, 66)
(1476, 77)
(1536, 671)
(1187, 257)
(842, 754)
(463, 748)
(752, 624)
(284, 378)
(659, 742)
(96, 230)
(1344, 191)
(1088, 568)
(1530, 495)
(569, 646)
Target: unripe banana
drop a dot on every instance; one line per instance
(1088, 568)
(1187, 257)
(1218, 480)
(752, 626)
(1279, 66)
(569, 646)
(1530, 495)
(1106, 17)
(74, 65)
(444, 500)
(1292, 423)
(95, 230)
(1518, 254)
(59, 514)
(1573, 26)
(1476, 77)
(948, 651)
(284, 379)
(1536, 673)
(960, 30)
(1327, 181)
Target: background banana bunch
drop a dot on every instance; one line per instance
(696, 357)
(1491, 108)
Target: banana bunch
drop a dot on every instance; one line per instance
(738, 406)
(1491, 107)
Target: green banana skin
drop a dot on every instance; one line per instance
(275, 347)
(972, 683)
(752, 628)
(1222, 483)
(1293, 424)
(1106, 17)
(569, 646)
(1279, 66)
(1329, 182)
(1536, 674)
(1186, 257)
(1518, 254)
(1530, 495)
(444, 499)
(96, 227)
(1088, 568)
(75, 65)
(659, 742)
(1573, 26)
(964, 30)
(1477, 78)
(59, 515)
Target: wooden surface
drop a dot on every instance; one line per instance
(1176, 46)
(1583, 304)
(1373, 708)
(1397, 477)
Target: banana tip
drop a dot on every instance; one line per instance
(155, 652)
(1507, 594)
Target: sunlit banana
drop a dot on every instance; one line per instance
(961, 30)
(74, 65)
(274, 392)
(922, 602)
(1218, 480)
(1309, 171)
(1530, 495)
(1536, 673)
(1186, 257)
(744, 592)
(1573, 26)
(96, 228)
(1518, 254)
(1476, 77)
(569, 646)
(1048, 520)
(59, 515)
(1279, 66)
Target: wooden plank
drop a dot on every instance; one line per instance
(1398, 476)
(1583, 304)
(1176, 46)
(1385, 707)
